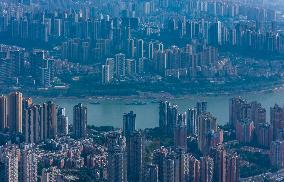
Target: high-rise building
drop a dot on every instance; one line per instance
(235, 106)
(11, 163)
(191, 121)
(29, 125)
(194, 169)
(38, 117)
(201, 107)
(141, 65)
(130, 67)
(42, 69)
(130, 49)
(3, 112)
(114, 139)
(206, 169)
(151, 50)
(161, 47)
(79, 121)
(27, 102)
(111, 63)
(216, 33)
(15, 112)
(218, 154)
(117, 158)
(140, 49)
(232, 167)
(264, 134)
(180, 132)
(161, 59)
(135, 157)
(129, 124)
(258, 113)
(163, 113)
(244, 131)
(181, 165)
(33, 124)
(120, 65)
(207, 126)
(159, 156)
(62, 122)
(169, 169)
(117, 165)
(174, 166)
(50, 174)
(49, 121)
(276, 154)
(106, 74)
(276, 119)
(172, 116)
(151, 173)
(27, 165)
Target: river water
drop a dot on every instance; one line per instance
(109, 112)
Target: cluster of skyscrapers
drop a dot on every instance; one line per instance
(127, 158)
(39, 122)
(195, 122)
(178, 163)
(251, 125)
(197, 152)
(123, 44)
(20, 163)
(127, 150)
(21, 67)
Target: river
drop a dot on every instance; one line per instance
(109, 112)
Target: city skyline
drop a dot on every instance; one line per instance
(141, 90)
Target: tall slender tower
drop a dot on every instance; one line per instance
(80, 121)
(140, 49)
(117, 162)
(191, 121)
(129, 124)
(159, 156)
(15, 112)
(194, 169)
(49, 123)
(105, 74)
(3, 112)
(151, 173)
(218, 155)
(276, 119)
(28, 125)
(206, 169)
(232, 167)
(201, 107)
(135, 157)
(163, 110)
(207, 124)
(117, 170)
(180, 136)
(62, 122)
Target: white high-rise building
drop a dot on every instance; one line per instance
(111, 63)
(105, 74)
(120, 65)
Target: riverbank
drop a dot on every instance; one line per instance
(163, 93)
